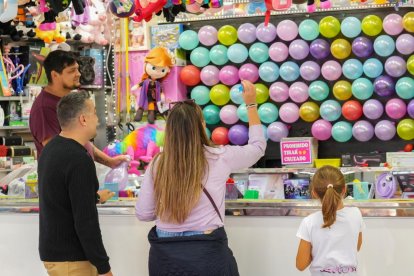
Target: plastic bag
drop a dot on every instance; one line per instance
(118, 175)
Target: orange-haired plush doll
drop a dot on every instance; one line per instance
(157, 65)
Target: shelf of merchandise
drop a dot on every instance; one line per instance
(313, 170)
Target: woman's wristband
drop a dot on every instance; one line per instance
(251, 105)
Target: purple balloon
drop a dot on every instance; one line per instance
(392, 24)
(276, 131)
(320, 48)
(310, 70)
(210, 75)
(395, 66)
(362, 47)
(249, 72)
(321, 130)
(298, 92)
(207, 35)
(331, 70)
(289, 112)
(267, 33)
(229, 75)
(246, 33)
(279, 92)
(363, 131)
(287, 30)
(228, 114)
(238, 134)
(299, 49)
(385, 130)
(410, 109)
(384, 86)
(405, 44)
(278, 52)
(395, 108)
(373, 109)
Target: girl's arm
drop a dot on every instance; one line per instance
(304, 256)
(359, 241)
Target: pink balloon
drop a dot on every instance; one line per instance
(331, 70)
(210, 75)
(395, 108)
(405, 44)
(321, 130)
(287, 30)
(229, 75)
(289, 112)
(392, 24)
(207, 35)
(279, 92)
(228, 114)
(278, 52)
(298, 92)
(249, 72)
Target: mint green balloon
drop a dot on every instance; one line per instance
(318, 90)
(342, 131)
(200, 56)
(211, 114)
(268, 113)
(405, 88)
(218, 55)
(188, 40)
(309, 29)
(201, 94)
(208, 132)
(242, 113)
(259, 52)
(362, 88)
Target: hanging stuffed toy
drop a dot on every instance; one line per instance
(324, 4)
(157, 65)
(8, 11)
(145, 10)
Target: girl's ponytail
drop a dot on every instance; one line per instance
(330, 204)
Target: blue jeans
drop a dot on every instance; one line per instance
(166, 234)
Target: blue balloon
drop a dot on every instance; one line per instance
(352, 69)
(351, 27)
(342, 131)
(269, 71)
(259, 52)
(188, 40)
(268, 113)
(236, 94)
(309, 29)
(201, 94)
(289, 71)
(362, 88)
(384, 45)
(330, 110)
(318, 90)
(405, 88)
(218, 55)
(200, 56)
(237, 53)
(373, 68)
(242, 113)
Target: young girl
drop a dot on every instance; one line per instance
(330, 238)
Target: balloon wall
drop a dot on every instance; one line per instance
(345, 77)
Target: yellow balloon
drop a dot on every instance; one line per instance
(408, 22)
(342, 90)
(309, 112)
(371, 25)
(341, 48)
(410, 65)
(220, 94)
(227, 35)
(262, 93)
(329, 26)
(405, 129)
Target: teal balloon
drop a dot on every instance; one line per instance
(265, 132)
(351, 27)
(237, 53)
(342, 131)
(330, 110)
(259, 52)
(352, 69)
(201, 94)
(384, 45)
(269, 71)
(373, 68)
(318, 90)
(236, 94)
(405, 88)
(242, 113)
(289, 71)
(208, 132)
(211, 114)
(200, 56)
(268, 113)
(188, 40)
(362, 88)
(309, 29)
(218, 55)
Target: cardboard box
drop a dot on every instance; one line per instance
(400, 159)
(299, 151)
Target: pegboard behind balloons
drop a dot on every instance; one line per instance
(344, 77)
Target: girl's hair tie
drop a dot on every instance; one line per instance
(329, 186)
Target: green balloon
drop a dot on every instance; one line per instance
(405, 129)
(201, 94)
(318, 90)
(200, 56)
(405, 88)
(309, 29)
(342, 131)
(208, 132)
(259, 52)
(242, 113)
(218, 55)
(211, 114)
(188, 40)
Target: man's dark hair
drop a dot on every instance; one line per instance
(57, 61)
(70, 106)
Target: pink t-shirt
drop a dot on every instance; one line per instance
(221, 161)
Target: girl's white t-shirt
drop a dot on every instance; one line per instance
(334, 249)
